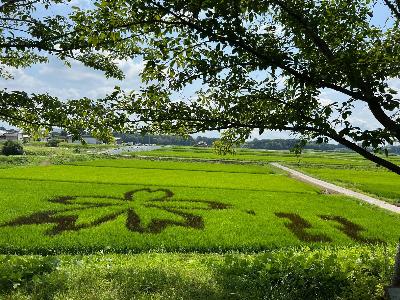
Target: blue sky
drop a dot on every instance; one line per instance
(79, 81)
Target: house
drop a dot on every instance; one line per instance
(201, 144)
(13, 135)
(89, 139)
(2, 136)
(26, 138)
(55, 136)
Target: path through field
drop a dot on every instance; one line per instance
(337, 189)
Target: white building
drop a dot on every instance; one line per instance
(12, 135)
(87, 138)
(91, 140)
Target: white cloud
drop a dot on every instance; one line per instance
(22, 81)
(394, 83)
(131, 68)
(83, 4)
(71, 83)
(325, 101)
(363, 118)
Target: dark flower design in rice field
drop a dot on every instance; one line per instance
(102, 209)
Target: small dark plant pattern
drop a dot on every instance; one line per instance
(66, 219)
(251, 212)
(350, 229)
(298, 227)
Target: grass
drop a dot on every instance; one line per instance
(377, 182)
(135, 205)
(333, 273)
(37, 153)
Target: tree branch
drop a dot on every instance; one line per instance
(222, 124)
(308, 30)
(395, 11)
(384, 119)
(365, 153)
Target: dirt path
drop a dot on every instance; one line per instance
(337, 189)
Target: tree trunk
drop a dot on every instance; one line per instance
(349, 144)
(396, 273)
(384, 119)
(368, 155)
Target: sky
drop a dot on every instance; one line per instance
(78, 81)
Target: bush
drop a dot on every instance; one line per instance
(347, 273)
(12, 148)
(23, 271)
(53, 143)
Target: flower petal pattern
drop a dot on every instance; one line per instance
(162, 199)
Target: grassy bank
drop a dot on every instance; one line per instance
(344, 273)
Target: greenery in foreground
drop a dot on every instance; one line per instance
(330, 273)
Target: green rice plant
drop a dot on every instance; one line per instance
(345, 169)
(380, 183)
(307, 157)
(130, 206)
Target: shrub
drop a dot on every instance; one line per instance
(346, 273)
(23, 271)
(12, 148)
(53, 143)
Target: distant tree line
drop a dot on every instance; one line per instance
(276, 144)
(163, 139)
(267, 144)
(395, 149)
(287, 144)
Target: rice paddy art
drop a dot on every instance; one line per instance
(66, 218)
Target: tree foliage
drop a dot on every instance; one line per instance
(30, 33)
(237, 66)
(259, 65)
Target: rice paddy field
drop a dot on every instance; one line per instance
(349, 159)
(346, 169)
(130, 228)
